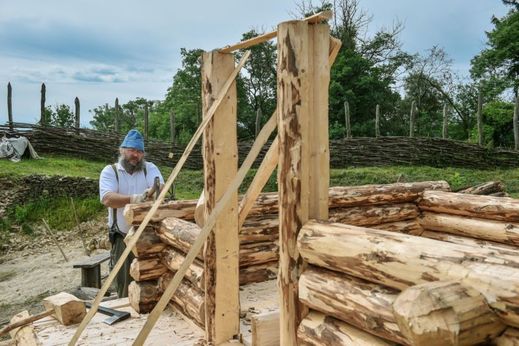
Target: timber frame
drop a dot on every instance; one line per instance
(306, 52)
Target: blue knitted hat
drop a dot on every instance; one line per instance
(133, 140)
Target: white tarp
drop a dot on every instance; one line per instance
(13, 148)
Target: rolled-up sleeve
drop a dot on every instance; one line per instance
(107, 182)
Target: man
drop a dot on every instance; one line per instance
(128, 181)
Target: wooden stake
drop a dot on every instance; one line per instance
(480, 118)
(172, 129)
(258, 122)
(445, 122)
(412, 120)
(151, 320)
(146, 121)
(77, 113)
(116, 115)
(49, 233)
(80, 231)
(377, 121)
(516, 122)
(42, 105)
(347, 123)
(10, 105)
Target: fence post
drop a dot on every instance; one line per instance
(445, 124)
(516, 121)
(116, 115)
(10, 106)
(412, 116)
(43, 121)
(258, 121)
(347, 124)
(146, 121)
(77, 113)
(172, 129)
(377, 121)
(480, 118)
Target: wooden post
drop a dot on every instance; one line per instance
(10, 105)
(480, 118)
(43, 121)
(259, 114)
(221, 252)
(116, 115)
(377, 121)
(303, 169)
(146, 121)
(347, 123)
(516, 121)
(445, 122)
(412, 119)
(172, 129)
(77, 113)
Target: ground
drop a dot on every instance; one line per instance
(33, 267)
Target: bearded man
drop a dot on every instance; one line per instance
(128, 181)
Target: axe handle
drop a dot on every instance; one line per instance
(25, 321)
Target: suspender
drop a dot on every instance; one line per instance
(114, 210)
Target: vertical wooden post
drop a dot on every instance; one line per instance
(412, 120)
(347, 123)
(259, 114)
(377, 121)
(221, 250)
(146, 121)
(43, 121)
(116, 115)
(172, 129)
(445, 122)
(77, 113)
(303, 169)
(10, 105)
(516, 121)
(480, 118)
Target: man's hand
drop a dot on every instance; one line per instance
(141, 197)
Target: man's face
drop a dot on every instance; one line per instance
(132, 156)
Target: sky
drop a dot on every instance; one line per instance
(98, 50)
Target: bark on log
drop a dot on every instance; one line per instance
(365, 305)
(147, 268)
(487, 188)
(498, 231)
(485, 207)
(509, 338)
(183, 209)
(173, 259)
(179, 233)
(445, 313)
(374, 215)
(410, 226)
(258, 253)
(319, 329)
(189, 298)
(144, 295)
(149, 243)
(400, 260)
(258, 273)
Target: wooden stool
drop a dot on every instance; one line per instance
(91, 270)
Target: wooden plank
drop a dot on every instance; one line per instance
(191, 255)
(154, 208)
(265, 329)
(221, 251)
(294, 75)
(316, 18)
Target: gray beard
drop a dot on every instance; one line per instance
(128, 167)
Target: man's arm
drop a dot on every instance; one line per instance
(115, 200)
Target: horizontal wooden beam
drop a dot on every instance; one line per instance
(316, 18)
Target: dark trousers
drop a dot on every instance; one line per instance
(122, 278)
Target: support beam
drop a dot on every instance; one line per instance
(221, 252)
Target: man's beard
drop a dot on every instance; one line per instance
(129, 167)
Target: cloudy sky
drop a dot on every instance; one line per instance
(99, 50)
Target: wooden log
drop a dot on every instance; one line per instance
(147, 268)
(265, 329)
(143, 295)
(509, 338)
(179, 233)
(148, 245)
(183, 209)
(258, 273)
(187, 297)
(410, 226)
(484, 207)
(24, 335)
(319, 329)
(374, 215)
(173, 259)
(486, 188)
(362, 304)
(445, 313)
(400, 260)
(258, 253)
(497, 231)
(502, 249)
(260, 229)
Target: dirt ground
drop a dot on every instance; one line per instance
(34, 268)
